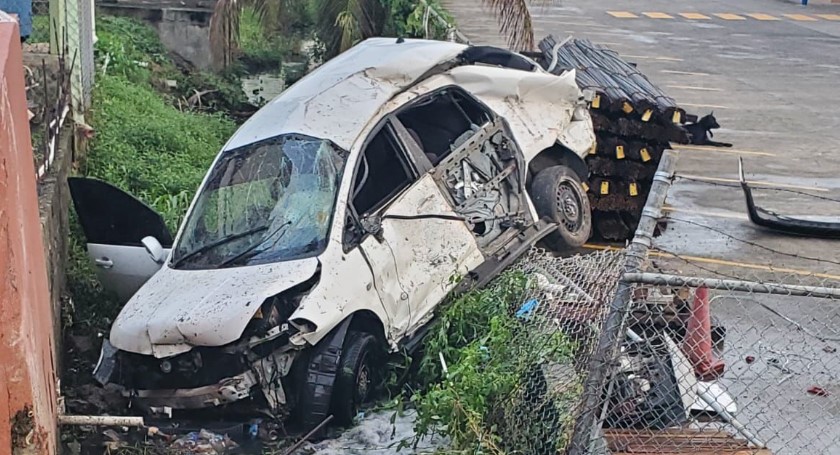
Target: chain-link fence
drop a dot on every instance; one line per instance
(563, 310)
(68, 27)
(40, 22)
(717, 356)
(60, 72)
(727, 366)
(641, 350)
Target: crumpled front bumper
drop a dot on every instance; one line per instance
(226, 391)
(263, 377)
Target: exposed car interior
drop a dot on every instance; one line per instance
(437, 122)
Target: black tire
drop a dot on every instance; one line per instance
(355, 381)
(558, 195)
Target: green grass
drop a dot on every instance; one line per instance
(486, 403)
(149, 148)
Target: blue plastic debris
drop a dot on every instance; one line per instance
(254, 429)
(527, 308)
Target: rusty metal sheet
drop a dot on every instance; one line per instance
(678, 441)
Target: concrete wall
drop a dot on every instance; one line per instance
(27, 376)
(183, 31)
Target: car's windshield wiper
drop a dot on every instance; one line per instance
(221, 241)
(253, 247)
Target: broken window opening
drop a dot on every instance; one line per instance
(440, 123)
(383, 172)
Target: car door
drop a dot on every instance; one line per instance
(114, 223)
(412, 240)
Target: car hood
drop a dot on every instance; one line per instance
(178, 309)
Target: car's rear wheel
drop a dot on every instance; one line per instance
(356, 377)
(558, 194)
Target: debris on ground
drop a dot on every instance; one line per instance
(818, 391)
(204, 442)
(828, 228)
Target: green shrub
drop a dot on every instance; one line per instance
(128, 48)
(489, 400)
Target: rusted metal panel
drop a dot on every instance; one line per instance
(680, 441)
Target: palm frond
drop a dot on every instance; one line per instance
(514, 21)
(341, 23)
(224, 25)
(349, 28)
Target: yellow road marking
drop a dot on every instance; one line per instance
(800, 17)
(829, 17)
(710, 106)
(582, 24)
(744, 265)
(713, 214)
(762, 17)
(757, 183)
(701, 259)
(730, 17)
(655, 15)
(721, 150)
(653, 57)
(684, 73)
(622, 14)
(694, 16)
(689, 87)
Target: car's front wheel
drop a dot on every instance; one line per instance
(355, 380)
(558, 194)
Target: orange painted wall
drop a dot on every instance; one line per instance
(27, 378)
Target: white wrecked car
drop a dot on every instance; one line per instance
(332, 224)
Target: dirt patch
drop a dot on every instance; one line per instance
(23, 428)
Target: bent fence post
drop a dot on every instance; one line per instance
(588, 422)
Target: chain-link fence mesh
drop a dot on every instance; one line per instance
(80, 39)
(40, 22)
(727, 366)
(567, 300)
(518, 353)
(723, 355)
(712, 356)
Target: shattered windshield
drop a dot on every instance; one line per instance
(264, 202)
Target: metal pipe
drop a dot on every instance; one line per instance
(450, 28)
(110, 421)
(588, 421)
(302, 440)
(706, 396)
(660, 279)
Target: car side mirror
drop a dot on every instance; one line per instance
(154, 248)
(372, 225)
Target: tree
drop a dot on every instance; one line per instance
(339, 24)
(514, 22)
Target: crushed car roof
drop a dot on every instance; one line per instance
(338, 99)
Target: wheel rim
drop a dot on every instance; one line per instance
(363, 382)
(569, 206)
